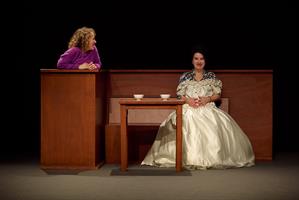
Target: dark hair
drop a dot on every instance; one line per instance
(199, 49)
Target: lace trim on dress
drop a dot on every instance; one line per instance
(216, 85)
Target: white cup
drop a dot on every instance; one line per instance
(164, 96)
(138, 97)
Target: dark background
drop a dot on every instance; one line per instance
(144, 35)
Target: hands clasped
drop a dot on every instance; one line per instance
(196, 102)
(90, 66)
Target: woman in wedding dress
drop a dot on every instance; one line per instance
(211, 137)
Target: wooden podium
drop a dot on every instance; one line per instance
(72, 125)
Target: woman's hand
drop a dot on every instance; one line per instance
(89, 66)
(193, 102)
(204, 100)
(196, 102)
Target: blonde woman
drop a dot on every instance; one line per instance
(82, 52)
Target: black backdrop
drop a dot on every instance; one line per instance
(246, 35)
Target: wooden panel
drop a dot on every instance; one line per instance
(251, 106)
(140, 139)
(68, 131)
(152, 116)
(101, 115)
(149, 84)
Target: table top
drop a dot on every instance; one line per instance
(151, 101)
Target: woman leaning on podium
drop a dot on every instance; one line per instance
(82, 52)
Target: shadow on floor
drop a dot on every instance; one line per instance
(149, 172)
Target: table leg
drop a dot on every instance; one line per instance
(179, 138)
(123, 139)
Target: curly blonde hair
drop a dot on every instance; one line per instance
(81, 38)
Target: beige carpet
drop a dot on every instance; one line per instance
(278, 179)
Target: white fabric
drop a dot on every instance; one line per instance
(211, 137)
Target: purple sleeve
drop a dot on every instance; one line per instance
(97, 59)
(66, 60)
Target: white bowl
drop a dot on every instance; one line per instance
(164, 96)
(138, 97)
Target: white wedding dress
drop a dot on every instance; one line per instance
(211, 137)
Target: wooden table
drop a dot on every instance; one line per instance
(149, 103)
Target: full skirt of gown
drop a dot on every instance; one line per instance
(211, 139)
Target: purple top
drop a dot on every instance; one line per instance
(73, 57)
